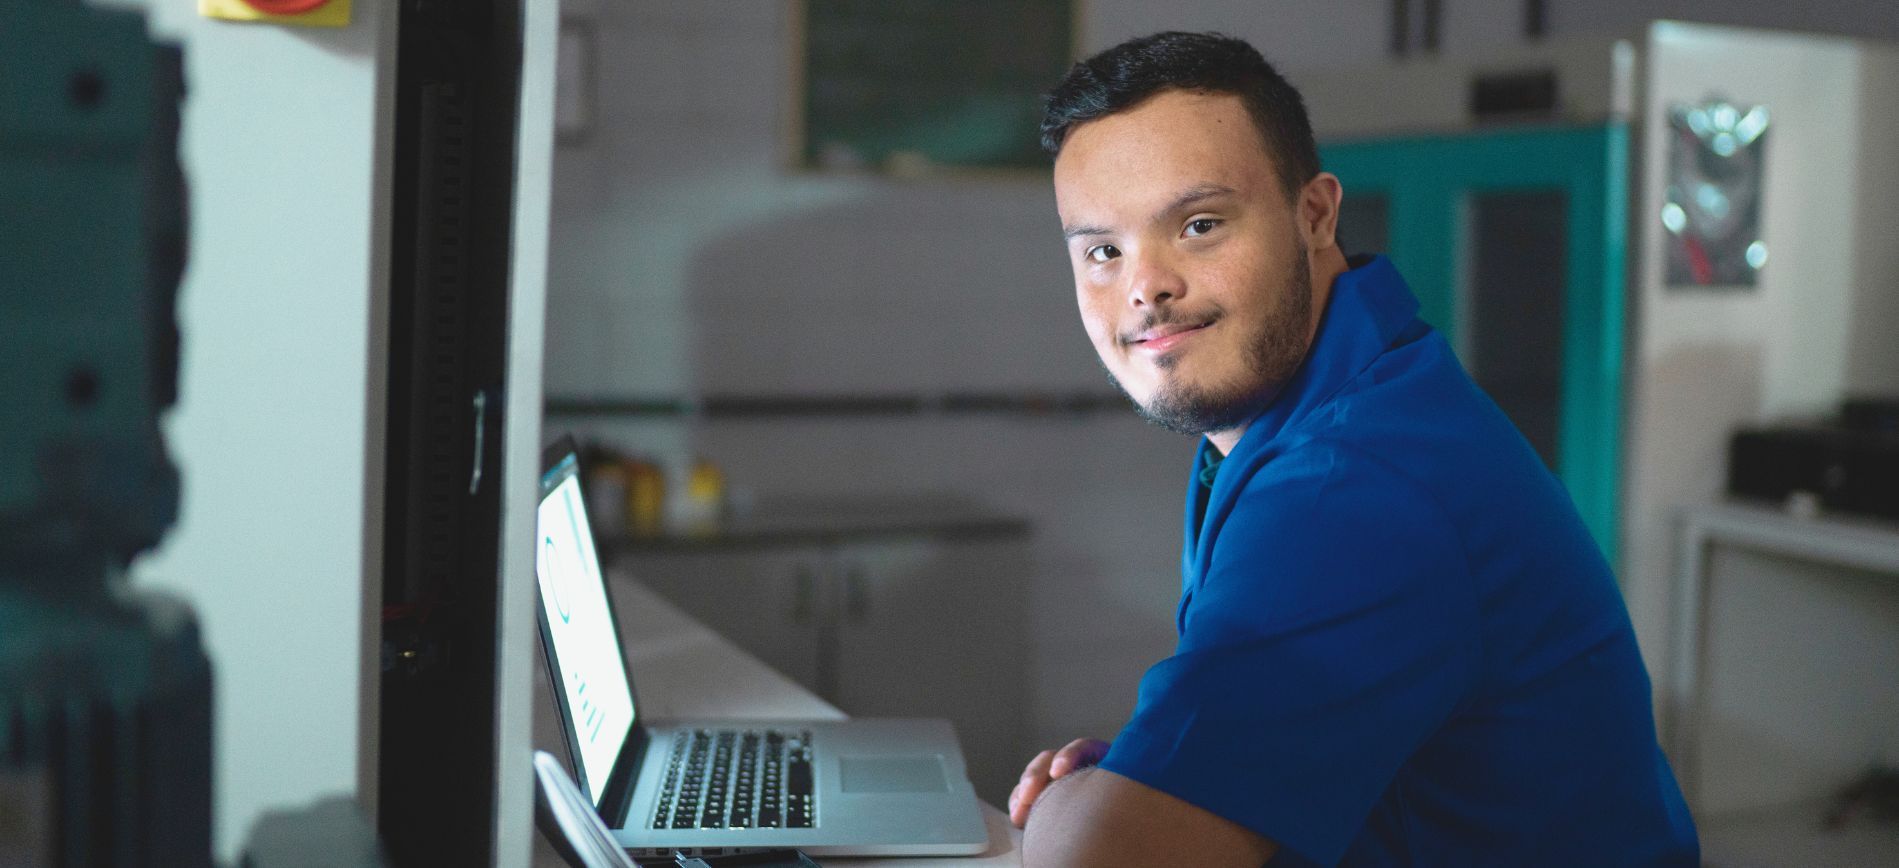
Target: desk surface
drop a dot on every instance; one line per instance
(683, 669)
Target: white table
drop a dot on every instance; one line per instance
(683, 669)
(1849, 542)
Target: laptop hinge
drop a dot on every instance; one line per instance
(617, 801)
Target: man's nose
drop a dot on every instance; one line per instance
(1154, 280)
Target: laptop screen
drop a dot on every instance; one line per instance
(585, 645)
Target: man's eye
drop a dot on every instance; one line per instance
(1200, 227)
(1101, 253)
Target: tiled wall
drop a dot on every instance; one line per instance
(688, 259)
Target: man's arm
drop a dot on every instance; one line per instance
(1094, 817)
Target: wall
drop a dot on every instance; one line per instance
(1872, 363)
(1707, 361)
(1785, 715)
(277, 431)
(1872, 19)
(686, 260)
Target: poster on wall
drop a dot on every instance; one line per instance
(1712, 208)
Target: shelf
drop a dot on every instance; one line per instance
(804, 406)
(792, 522)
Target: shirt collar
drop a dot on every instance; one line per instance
(1210, 459)
(1369, 308)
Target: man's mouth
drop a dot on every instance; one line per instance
(1162, 338)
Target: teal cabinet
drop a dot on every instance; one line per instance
(1515, 243)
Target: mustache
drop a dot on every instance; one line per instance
(1168, 317)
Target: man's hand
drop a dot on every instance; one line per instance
(1050, 766)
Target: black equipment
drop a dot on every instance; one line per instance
(1850, 464)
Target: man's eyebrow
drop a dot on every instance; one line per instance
(1193, 195)
(1070, 233)
(1190, 196)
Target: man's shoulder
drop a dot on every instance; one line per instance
(1323, 530)
(1313, 460)
(1405, 396)
(1329, 485)
(1413, 418)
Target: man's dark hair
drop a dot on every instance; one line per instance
(1123, 76)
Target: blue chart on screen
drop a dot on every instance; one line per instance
(563, 578)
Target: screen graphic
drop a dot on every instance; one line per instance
(580, 627)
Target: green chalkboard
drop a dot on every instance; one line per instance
(906, 85)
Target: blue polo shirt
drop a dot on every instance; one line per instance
(1398, 643)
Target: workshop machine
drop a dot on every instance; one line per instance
(105, 690)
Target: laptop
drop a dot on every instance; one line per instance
(871, 787)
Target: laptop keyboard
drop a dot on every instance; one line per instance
(737, 779)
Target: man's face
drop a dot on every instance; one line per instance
(1190, 267)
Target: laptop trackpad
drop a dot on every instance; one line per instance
(892, 774)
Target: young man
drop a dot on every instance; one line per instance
(1398, 643)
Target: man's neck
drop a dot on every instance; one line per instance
(1226, 440)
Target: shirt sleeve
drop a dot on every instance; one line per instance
(1334, 630)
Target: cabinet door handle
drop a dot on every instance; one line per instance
(804, 596)
(856, 593)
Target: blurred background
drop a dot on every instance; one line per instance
(792, 273)
(872, 311)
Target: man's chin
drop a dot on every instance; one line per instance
(1196, 415)
(1175, 407)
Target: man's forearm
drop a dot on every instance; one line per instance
(1098, 819)
(1060, 825)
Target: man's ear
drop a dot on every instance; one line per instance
(1319, 211)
